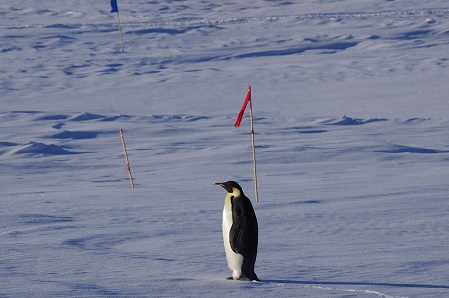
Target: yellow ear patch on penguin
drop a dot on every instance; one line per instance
(235, 192)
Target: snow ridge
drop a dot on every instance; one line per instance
(187, 22)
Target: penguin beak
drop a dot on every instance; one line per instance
(224, 185)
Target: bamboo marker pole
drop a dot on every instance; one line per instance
(128, 168)
(237, 124)
(256, 193)
(120, 31)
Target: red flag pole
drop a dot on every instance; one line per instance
(253, 146)
(237, 124)
(128, 168)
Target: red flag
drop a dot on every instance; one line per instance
(242, 110)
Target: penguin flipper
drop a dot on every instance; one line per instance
(236, 231)
(234, 236)
(239, 232)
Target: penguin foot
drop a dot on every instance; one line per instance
(243, 278)
(255, 278)
(246, 278)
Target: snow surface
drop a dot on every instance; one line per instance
(352, 132)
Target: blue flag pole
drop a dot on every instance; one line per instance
(114, 8)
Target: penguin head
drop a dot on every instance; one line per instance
(232, 187)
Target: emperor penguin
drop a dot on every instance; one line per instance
(240, 232)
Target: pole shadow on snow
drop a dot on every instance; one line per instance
(344, 283)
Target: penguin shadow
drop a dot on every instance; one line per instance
(345, 283)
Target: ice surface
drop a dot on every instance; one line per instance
(350, 101)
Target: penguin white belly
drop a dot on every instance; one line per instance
(235, 261)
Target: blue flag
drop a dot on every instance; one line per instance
(114, 6)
